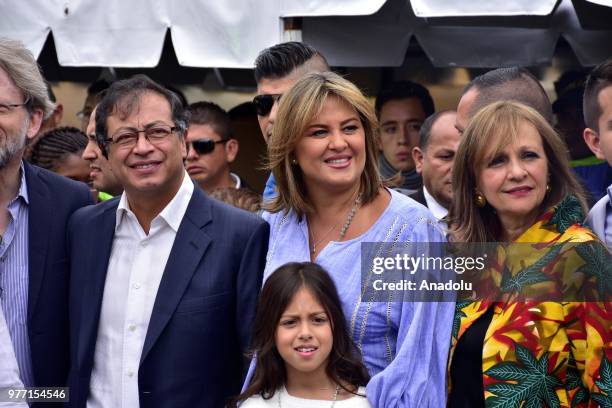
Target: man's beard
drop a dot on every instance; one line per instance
(13, 145)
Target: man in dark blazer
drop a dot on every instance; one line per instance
(434, 157)
(35, 206)
(165, 279)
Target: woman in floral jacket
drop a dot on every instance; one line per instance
(545, 338)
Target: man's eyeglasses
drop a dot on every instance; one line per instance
(204, 146)
(6, 108)
(263, 103)
(128, 138)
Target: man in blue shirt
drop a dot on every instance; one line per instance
(34, 209)
(276, 70)
(597, 106)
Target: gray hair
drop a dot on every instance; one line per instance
(22, 68)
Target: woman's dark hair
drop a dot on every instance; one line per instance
(343, 367)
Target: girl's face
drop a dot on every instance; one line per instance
(304, 335)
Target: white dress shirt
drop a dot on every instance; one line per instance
(9, 371)
(236, 179)
(135, 270)
(435, 207)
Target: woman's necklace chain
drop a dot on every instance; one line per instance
(345, 226)
(334, 397)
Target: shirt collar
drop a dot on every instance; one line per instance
(23, 187)
(236, 179)
(436, 208)
(173, 212)
(610, 193)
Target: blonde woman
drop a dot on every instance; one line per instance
(512, 183)
(323, 154)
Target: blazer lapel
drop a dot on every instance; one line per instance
(99, 254)
(39, 221)
(189, 246)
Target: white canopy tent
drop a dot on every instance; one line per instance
(462, 33)
(230, 33)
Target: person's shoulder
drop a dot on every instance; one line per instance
(408, 209)
(274, 218)
(256, 401)
(410, 219)
(578, 233)
(600, 207)
(91, 212)
(359, 400)
(56, 183)
(239, 217)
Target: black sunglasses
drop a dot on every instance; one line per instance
(263, 103)
(204, 146)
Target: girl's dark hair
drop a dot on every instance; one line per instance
(344, 365)
(56, 144)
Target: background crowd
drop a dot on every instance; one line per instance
(153, 296)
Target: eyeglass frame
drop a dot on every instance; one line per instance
(275, 98)
(207, 141)
(154, 141)
(11, 106)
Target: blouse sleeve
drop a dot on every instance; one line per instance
(417, 375)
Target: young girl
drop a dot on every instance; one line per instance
(305, 357)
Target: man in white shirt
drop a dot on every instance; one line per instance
(434, 158)
(164, 279)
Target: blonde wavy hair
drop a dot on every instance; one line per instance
(296, 111)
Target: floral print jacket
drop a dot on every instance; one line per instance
(553, 354)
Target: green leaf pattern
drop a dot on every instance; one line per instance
(459, 314)
(567, 213)
(573, 380)
(604, 383)
(598, 264)
(534, 386)
(530, 275)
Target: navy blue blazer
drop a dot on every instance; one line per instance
(193, 354)
(419, 196)
(52, 200)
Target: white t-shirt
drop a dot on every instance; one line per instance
(287, 401)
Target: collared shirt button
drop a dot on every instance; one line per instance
(132, 327)
(130, 373)
(144, 243)
(136, 286)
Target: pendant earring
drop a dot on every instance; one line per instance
(480, 200)
(294, 162)
(548, 188)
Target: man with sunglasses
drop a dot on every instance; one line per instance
(276, 70)
(211, 147)
(164, 279)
